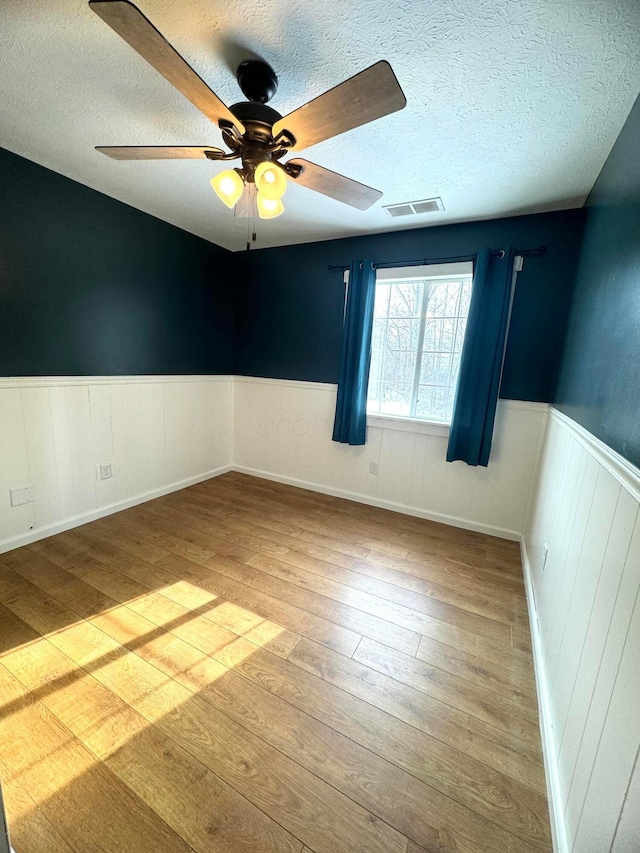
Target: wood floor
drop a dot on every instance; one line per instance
(245, 666)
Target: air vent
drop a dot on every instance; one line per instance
(400, 210)
(413, 208)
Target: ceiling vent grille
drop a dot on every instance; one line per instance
(413, 208)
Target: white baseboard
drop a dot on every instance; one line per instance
(371, 500)
(556, 812)
(110, 509)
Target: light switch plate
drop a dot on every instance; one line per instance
(23, 495)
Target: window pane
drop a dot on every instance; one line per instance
(395, 398)
(439, 335)
(432, 403)
(399, 367)
(406, 299)
(402, 334)
(462, 327)
(466, 298)
(381, 306)
(436, 369)
(418, 322)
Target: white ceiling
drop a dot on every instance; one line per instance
(513, 105)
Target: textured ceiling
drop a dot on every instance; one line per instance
(513, 105)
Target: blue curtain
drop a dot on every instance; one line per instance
(481, 361)
(350, 425)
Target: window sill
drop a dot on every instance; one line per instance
(408, 425)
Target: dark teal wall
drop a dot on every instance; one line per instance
(288, 309)
(600, 376)
(92, 286)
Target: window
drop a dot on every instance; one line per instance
(419, 323)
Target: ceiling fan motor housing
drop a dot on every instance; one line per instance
(256, 144)
(257, 80)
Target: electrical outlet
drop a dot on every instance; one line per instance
(21, 496)
(373, 468)
(104, 472)
(544, 556)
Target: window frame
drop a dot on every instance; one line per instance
(452, 271)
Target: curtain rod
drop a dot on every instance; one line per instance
(525, 253)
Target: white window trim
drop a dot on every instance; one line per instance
(403, 424)
(409, 423)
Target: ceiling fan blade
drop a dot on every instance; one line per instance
(129, 22)
(156, 152)
(334, 185)
(369, 95)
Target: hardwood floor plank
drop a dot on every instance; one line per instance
(91, 542)
(30, 828)
(160, 535)
(277, 785)
(431, 594)
(177, 602)
(307, 624)
(377, 785)
(388, 632)
(191, 799)
(172, 568)
(276, 513)
(297, 548)
(346, 591)
(496, 796)
(503, 654)
(34, 568)
(82, 798)
(263, 528)
(379, 529)
(209, 542)
(31, 604)
(521, 638)
(488, 650)
(514, 716)
(501, 750)
(193, 509)
(447, 572)
(228, 539)
(367, 527)
(512, 679)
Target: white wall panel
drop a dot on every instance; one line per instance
(283, 430)
(14, 463)
(38, 423)
(585, 508)
(628, 830)
(79, 426)
(159, 433)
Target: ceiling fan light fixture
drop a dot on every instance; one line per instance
(271, 180)
(269, 208)
(228, 186)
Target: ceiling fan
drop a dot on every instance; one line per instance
(255, 133)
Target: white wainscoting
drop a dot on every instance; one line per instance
(160, 432)
(283, 431)
(586, 629)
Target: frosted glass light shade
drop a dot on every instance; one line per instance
(271, 180)
(269, 208)
(228, 186)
